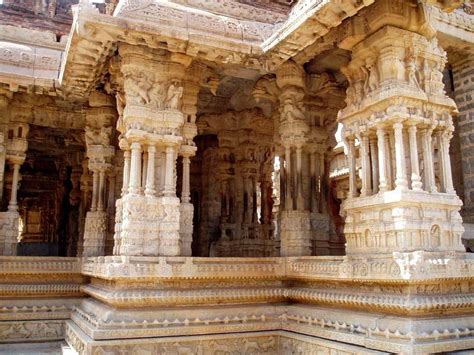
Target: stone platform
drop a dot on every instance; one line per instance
(413, 303)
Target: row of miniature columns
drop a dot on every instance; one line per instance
(135, 177)
(376, 163)
(250, 214)
(294, 178)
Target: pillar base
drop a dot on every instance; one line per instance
(266, 342)
(95, 232)
(295, 234)
(246, 240)
(320, 230)
(148, 225)
(186, 214)
(403, 221)
(9, 232)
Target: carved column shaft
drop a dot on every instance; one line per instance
(144, 170)
(170, 188)
(352, 167)
(389, 160)
(314, 182)
(428, 161)
(126, 171)
(95, 190)
(135, 168)
(101, 191)
(289, 180)
(365, 165)
(374, 164)
(13, 205)
(415, 169)
(299, 179)
(150, 176)
(382, 160)
(401, 181)
(185, 193)
(445, 137)
(322, 176)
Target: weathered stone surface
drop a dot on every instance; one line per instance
(206, 160)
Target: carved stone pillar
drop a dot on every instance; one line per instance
(444, 138)
(426, 139)
(374, 164)
(352, 167)
(11, 219)
(98, 133)
(85, 204)
(314, 179)
(135, 168)
(415, 168)
(16, 147)
(150, 176)
(4, 114)
(186, 208)
(299, 180)
(126, 170)
(295, 224)
(288, 179)
(382, 159)
(365, 165)
(148, 213)
(389, 161)
(400, 162)
(384, 82)
(13, 204)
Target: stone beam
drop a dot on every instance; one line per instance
(308, 21)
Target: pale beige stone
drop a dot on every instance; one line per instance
(211, 162)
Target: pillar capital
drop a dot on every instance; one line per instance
(187, 151)
(151, 148)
